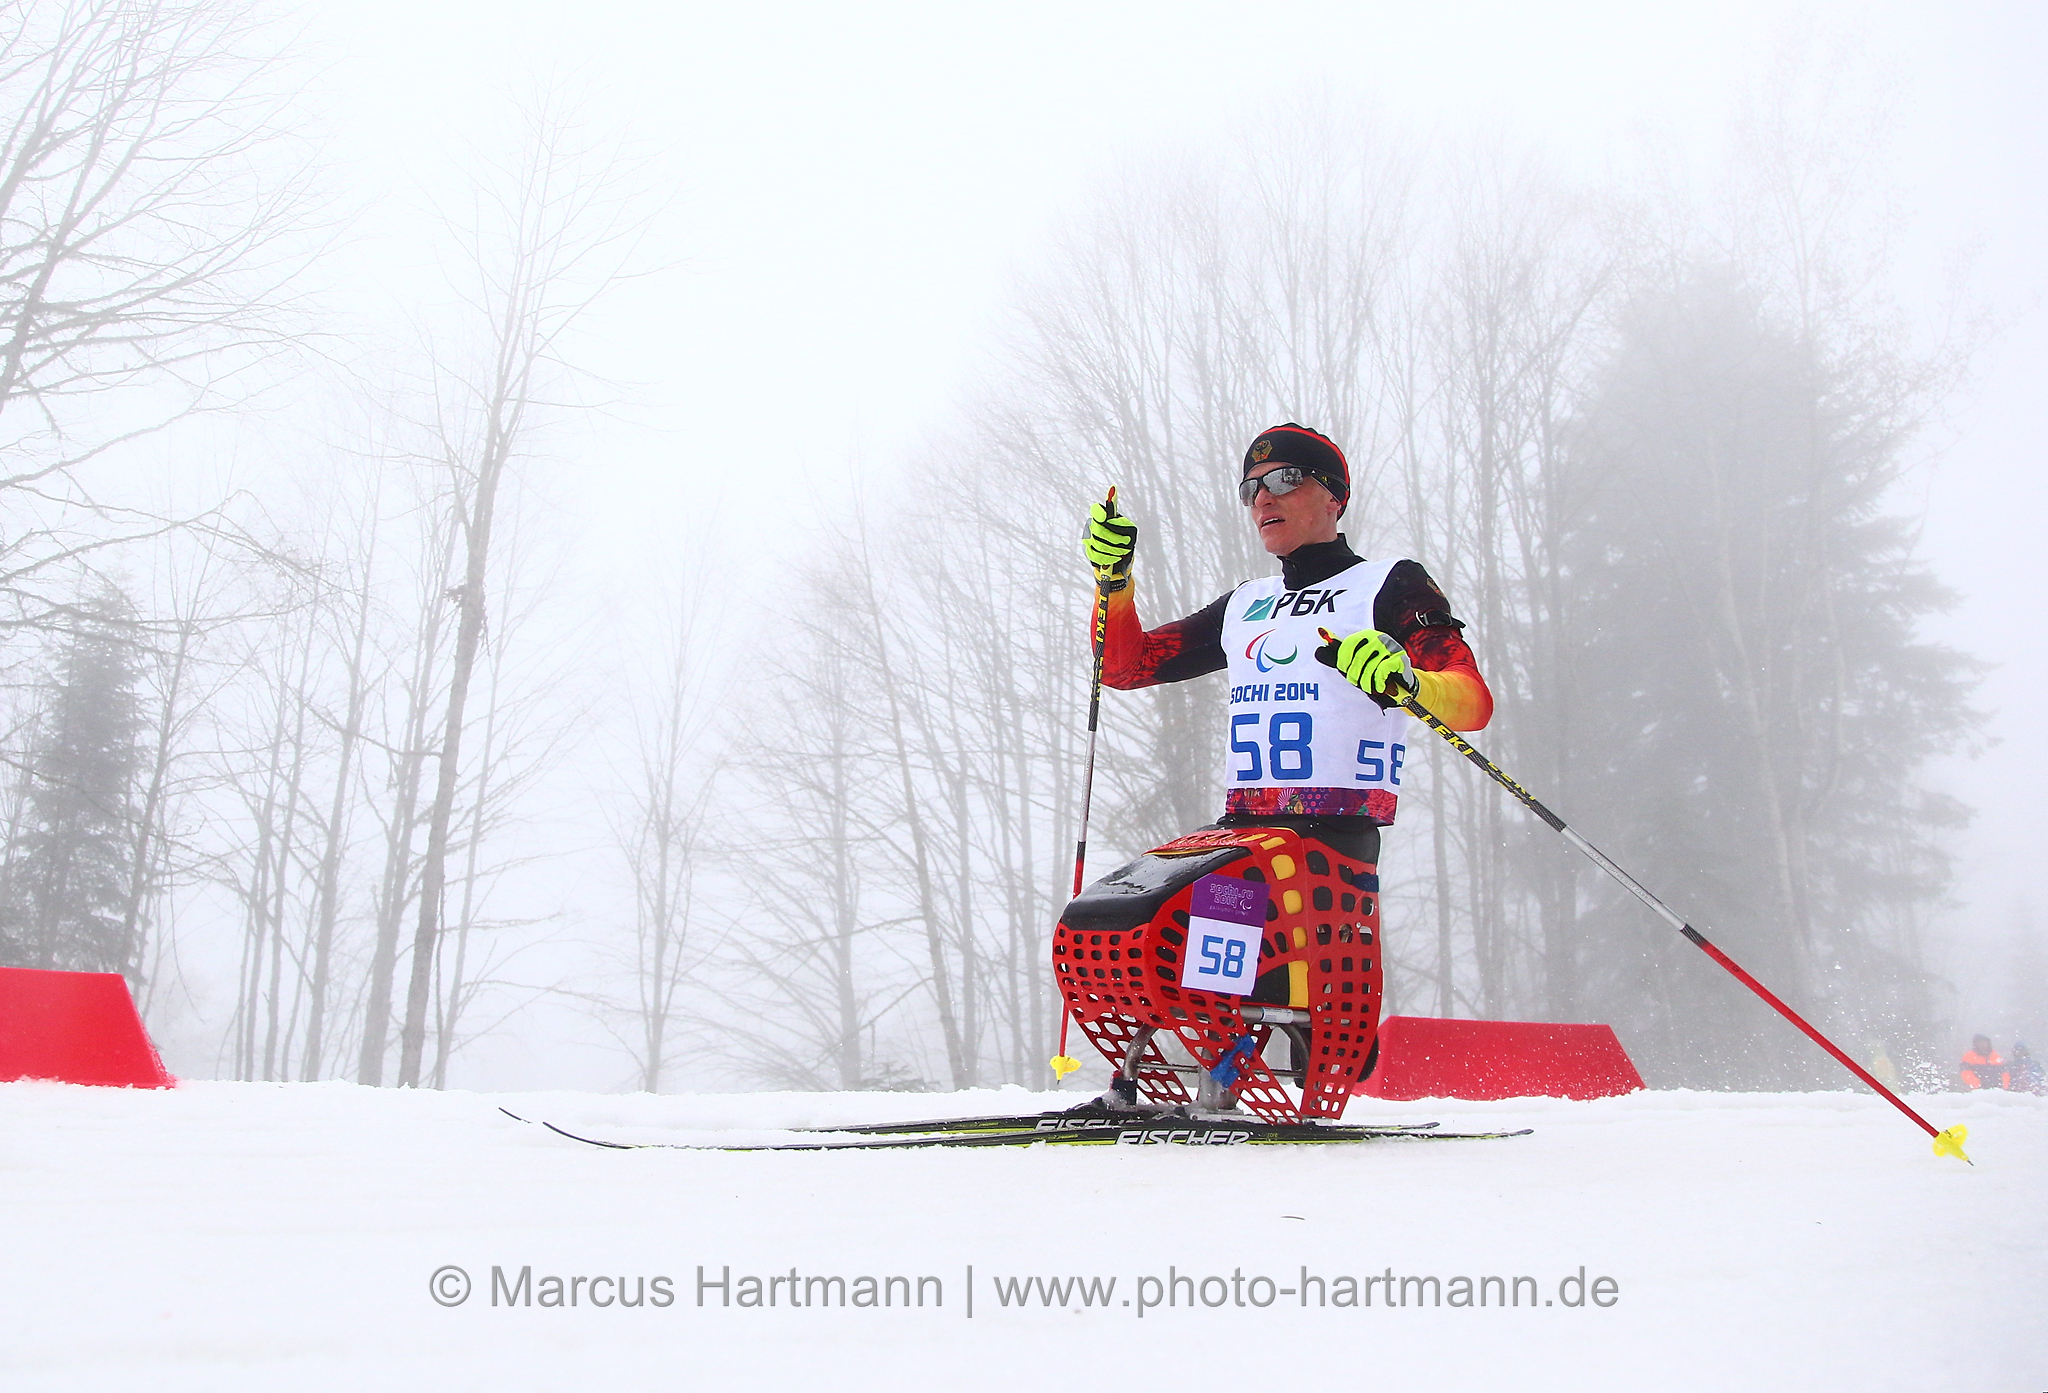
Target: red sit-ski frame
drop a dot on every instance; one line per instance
(1322, 927)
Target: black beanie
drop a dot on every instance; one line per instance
(1311, 451)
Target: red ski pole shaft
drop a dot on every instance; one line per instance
(1406, 696)
(1793, 1016)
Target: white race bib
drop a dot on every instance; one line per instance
(1294, 723)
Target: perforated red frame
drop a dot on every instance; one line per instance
(1322, 927)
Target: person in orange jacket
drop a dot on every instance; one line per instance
(1983, 1067)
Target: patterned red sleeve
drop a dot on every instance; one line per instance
(1448, 680)
(1134, 657)
(1412, 608)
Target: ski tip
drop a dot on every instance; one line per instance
(590, 1141)
(1063, 1065)
(513, 1115)
(1949, 1142)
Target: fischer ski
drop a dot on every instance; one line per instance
(1077, 1117)
(1058, 1129)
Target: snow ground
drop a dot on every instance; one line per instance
(250, 1236)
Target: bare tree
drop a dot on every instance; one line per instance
(530, 711)
(818, 965)
(1486, 366)
(548, 237)
(661, 837)
(407, 721)
(334, 835)
(147, 216)
(195, 606)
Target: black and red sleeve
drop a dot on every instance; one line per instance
(1134, 656)
(1412, 608)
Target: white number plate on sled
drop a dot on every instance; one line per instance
(1226, 920)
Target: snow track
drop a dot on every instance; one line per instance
(230, 1236)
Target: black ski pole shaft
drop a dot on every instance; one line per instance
(1101, 630)
(1946, 1142)
(1062, 1063)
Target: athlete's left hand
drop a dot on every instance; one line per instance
(1370, 660)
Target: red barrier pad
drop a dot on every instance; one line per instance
(1422, 1057)
(74, 1027)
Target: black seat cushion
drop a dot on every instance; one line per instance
(1129, 896)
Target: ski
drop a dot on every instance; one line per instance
(1083, 1116)
(1058, 1130)
(1071, 1118)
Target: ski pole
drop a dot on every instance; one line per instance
(1062, 1063)
(1947, 1142)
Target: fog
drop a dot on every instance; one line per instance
(833, 229)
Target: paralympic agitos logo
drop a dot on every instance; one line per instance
(1264, 661)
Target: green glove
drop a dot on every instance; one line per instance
(1370, 660)
(1108, 543)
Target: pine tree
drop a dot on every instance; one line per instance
(1748, 663)
(69, 871)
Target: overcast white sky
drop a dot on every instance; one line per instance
(856, 188)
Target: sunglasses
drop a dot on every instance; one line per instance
(1278, 482)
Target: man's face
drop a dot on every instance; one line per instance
(1981, 1045)
(1308, 514)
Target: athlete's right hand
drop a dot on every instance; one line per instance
(1374, 662)
(1108, 542)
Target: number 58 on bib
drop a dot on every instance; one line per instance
(1226, 920)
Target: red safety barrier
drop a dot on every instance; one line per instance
(1422, 1057)
(74, 1027)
